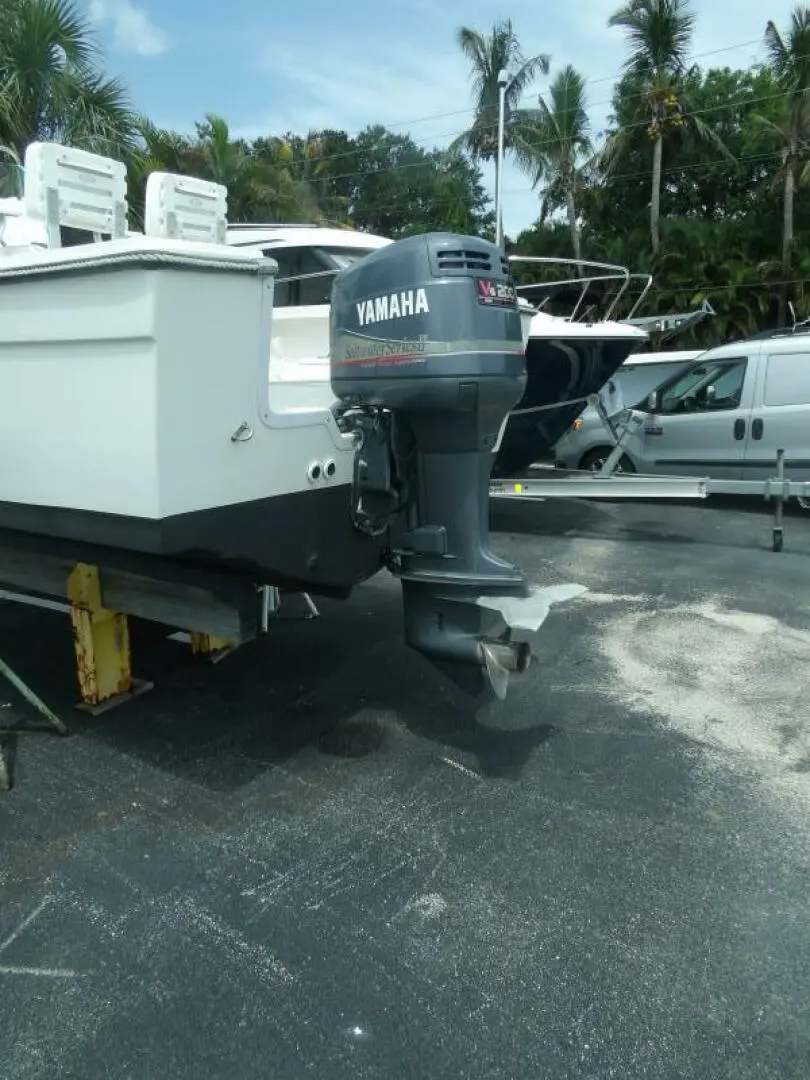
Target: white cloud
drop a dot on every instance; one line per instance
(402, 89)
(418, 83)
(133, 29)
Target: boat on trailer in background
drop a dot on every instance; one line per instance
(578, 339)
(158, 472)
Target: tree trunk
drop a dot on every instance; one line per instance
(655, 197)
(787, 219)
(572, 225)
(787, 233)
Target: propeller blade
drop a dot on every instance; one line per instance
(497, 674)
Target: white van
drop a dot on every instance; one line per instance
(728, 413)
(589, 440)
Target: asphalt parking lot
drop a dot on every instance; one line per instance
(312, 860)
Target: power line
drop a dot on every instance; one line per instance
(742, 100)
(533, 96)
(471, 110)
(645, 174)
(614, 78)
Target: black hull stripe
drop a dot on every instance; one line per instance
(301, 540)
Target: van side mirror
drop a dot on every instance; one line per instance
(652, 401)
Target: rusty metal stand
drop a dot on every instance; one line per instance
(101, 645)
(211, 647)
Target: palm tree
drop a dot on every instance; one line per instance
(489, 54)
(790, 63)
(257, 187)
(659, 33)
(50, 85)
(555, 144)
(167, 150)
(259, 179)
(307, 162)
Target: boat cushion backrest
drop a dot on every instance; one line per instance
(73, 188)
(185, 208)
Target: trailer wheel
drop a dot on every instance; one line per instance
(596, 458)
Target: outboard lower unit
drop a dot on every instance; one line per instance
(427, 359)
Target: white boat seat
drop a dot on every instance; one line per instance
(66, 187)
(185, 208)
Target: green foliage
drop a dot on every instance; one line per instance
(722, 190)
(401, 189)
(378, 181)
(51, 86)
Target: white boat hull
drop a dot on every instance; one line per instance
(134, 414)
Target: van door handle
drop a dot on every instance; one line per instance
(739, 429)
(756, 429)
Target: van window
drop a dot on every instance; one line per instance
(787, 379)
(717, 384)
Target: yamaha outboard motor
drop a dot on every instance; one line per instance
(427, 358)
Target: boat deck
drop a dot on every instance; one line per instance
(311, 860)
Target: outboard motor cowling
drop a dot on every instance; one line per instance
(427, 358)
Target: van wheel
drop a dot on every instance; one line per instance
(804, 503)
(596, 458)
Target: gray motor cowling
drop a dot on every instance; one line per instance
(427, 358)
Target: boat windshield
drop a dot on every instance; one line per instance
(11, 180)
(342, 257)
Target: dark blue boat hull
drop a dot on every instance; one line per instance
(562, 372)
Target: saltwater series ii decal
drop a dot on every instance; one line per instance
(370, 351)
(398, 305)
(350, 349)
(495, 293)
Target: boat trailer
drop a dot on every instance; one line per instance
(606, 483)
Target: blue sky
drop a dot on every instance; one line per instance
(269, 66)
